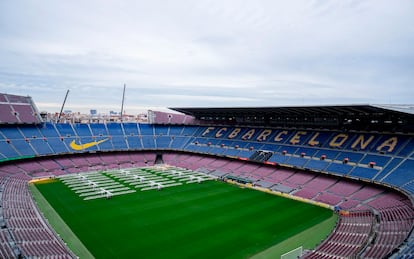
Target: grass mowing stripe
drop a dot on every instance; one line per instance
(59, 225)
(211, 219)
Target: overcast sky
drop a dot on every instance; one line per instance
(207, 53)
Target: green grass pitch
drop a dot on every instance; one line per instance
(208, 220)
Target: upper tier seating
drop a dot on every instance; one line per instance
(18, 109)
(158, 117)
(361, 156)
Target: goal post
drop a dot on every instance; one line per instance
(294, 254)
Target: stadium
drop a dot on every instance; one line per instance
(72, 190)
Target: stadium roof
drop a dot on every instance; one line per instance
(404, 108)
(358, 117)
(360, 109)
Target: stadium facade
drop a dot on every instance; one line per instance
(356, 159)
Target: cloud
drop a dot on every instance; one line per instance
(236, 53)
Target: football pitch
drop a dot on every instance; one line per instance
(175, 214)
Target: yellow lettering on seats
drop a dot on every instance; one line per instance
(341, 137)
(208, 130)
(263, 136)
(362, 142)
(296, 138)
(313, 141)
(234, 133)
(219, 133)
(278, 137)
(390, 143)
(249, 134)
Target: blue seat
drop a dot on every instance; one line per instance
(280, 159)
(119, 142)
(308, 151)
(11, 133)
(82, 129)
(339, 168)
(255, 145)
(192, 144)
(131, 129)
(48, 130)
(134, 142)
(231, 152)
(237, 143)
(288, 149)
(407, 149)
(58, 146)
(302, 137)
(297, 161)
(41, 146)
(364, 172)
(67, 140)
(410, 188)
(216, 150)
(190, 130)
(146, 130)
(379, 160)
(285, 138)
(212, 141)
(402, 174)
(179, 142)
(30, 132)
(115, 129)
(330, 154)
(98, 129)
(79, 141)
(163, 142)
(319, 165)
(176, 130)
(245, 153)
(148, 142)
(161, 130)
(272, 147)
(323, 138)
(65, 130)
(190, 147)
(402, 141)
(352, 156)
(227, 143)
(89, 139)
(202, 149)
(7, 150)
(23, 147)
(390, 166)
(106, 143)
(359, 140)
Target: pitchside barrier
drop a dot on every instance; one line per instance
(294, 254)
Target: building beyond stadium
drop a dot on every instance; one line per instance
(357, 159)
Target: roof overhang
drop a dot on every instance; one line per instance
(359, 109)
(357, 116)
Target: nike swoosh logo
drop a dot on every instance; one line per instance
(75, 146)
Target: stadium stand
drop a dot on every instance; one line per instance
(365, 175)
(157, 117)
(17, 109)
(26, 233)
(350, 235)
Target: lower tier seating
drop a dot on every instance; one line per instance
(377, 219)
